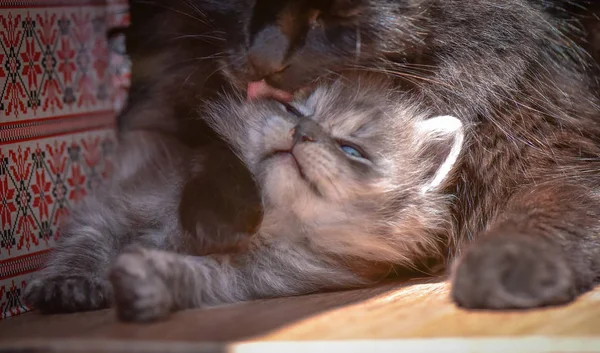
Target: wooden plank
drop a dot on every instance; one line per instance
(413, 311)
(425, 310)
(534, 344)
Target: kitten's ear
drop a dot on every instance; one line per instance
(441, 141)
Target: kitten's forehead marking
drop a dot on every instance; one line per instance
(347, 116)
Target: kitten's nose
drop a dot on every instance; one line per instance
(267, 52)
(307, 131)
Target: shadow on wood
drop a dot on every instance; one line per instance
(227, 323)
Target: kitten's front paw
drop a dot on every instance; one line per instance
(66, 294)
(512, 272)
(140, 292)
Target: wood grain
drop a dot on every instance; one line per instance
(410, 311)
(425, 310)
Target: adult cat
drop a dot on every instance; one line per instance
(527, 210)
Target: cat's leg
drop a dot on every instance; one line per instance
(150, 284)
(544, 249)
(76, 275)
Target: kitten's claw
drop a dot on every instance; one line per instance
(512, 272)
(66, 294)
(140, 293)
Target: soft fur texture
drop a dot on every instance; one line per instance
(526, 210)
(330, 221)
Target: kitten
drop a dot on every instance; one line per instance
(349, 190)
(526, 189)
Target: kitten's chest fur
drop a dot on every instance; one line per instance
(304, 223)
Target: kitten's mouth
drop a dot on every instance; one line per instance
(290, 156)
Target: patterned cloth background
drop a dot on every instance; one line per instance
(61, 83)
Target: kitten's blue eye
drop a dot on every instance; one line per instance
(351, 151)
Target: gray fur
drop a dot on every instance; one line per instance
(318, 223)
(139, 204)
(340, 223)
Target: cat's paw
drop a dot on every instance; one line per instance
(140, 292)
(512, 272)
(66, 294)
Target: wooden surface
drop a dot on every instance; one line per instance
(415, 312)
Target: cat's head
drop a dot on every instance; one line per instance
(352, 149)
(354, 142)
(353, 163)
(291, 43)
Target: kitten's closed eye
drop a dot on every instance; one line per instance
(348, 148)
(293, 110)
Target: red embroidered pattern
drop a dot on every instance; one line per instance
(61, 82)
(40, 181)
(55, 60)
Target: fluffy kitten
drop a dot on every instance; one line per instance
(349, 190)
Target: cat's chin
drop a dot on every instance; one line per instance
(283, 184)
(286, 159)
(292, 168)
(263, 90)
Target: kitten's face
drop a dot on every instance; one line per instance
(354, 153)
(291, 43)
(345, 150)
